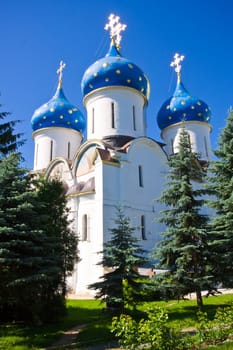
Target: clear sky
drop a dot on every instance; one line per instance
(37, 34)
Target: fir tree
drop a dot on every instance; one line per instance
(183, 250)
(122, 256)
(9, 141)
(21, 243)
(221, 187)
(61, 247)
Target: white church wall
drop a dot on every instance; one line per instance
(54, 142)
(199, 136)
(115, 111)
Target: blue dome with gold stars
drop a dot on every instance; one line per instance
(182, 107)
(115, 70)
(58, 112)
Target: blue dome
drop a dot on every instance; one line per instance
(182, 107)
(58, 112)
(115, 70)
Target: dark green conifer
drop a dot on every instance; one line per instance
(122, 255)
(221, 187)
(183, 250)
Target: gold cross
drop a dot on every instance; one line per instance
(115, 28)
(60, 72)
(176, 63)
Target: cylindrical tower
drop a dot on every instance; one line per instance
(183, 110)
(115, 93)
(57, 128)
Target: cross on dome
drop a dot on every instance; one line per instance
(176, 63)
(60, 72)
(115, 28)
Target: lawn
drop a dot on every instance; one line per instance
(90, 312)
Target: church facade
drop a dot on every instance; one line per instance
(117, 164)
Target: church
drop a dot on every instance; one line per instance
(117, 164)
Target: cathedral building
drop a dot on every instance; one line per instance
(117, 164)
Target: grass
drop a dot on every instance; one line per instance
(90, 312)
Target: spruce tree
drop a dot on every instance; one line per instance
(61, 249)
(21, 243)
(122, 255)
(221, 188)
(9, 140)
(183, 249)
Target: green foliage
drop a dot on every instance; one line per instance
(181, 315)
(183, 251)
(154, 333)
(9, 141)
(221, 187)
(121, 255)
(218, 330)
(37, 247)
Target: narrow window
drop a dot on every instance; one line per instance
(37, 149)
(93, 120)
(68, 150)
(140, 178)
(51, 150)
(172, 146)
(113, 116)
(84, 227)
(134, 118)
(206, 148)
(143, 228)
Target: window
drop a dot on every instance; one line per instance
(68, 150)
(134, 118)
(84, 227)
(37, 149)
(140, 178)
(206, 148)
(172, 146)
(93, 120)
(143, 228)
(113, 115)
(51, 150)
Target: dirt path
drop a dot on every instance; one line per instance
(68, 338)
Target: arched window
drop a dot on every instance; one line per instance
(206, 148)
(84, 228)
(51, 150)
(143, 227)
(68, 153)
(134, 119)
(93, 120)
(113, 115)
(140, 177)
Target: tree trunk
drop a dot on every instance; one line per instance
(199, 299)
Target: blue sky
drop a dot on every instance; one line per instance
(37, 34)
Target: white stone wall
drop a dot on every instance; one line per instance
(199, 135)
(50, 143)
(99, 112)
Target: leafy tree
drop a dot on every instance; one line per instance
(183, 250)
(221, 186)
(122, 256)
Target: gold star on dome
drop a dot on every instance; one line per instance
(115, 28)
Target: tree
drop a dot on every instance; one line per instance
(62, 243)
(221, 187)
(9, 141)
(21, 243)
(122, 256)
(183, 250)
